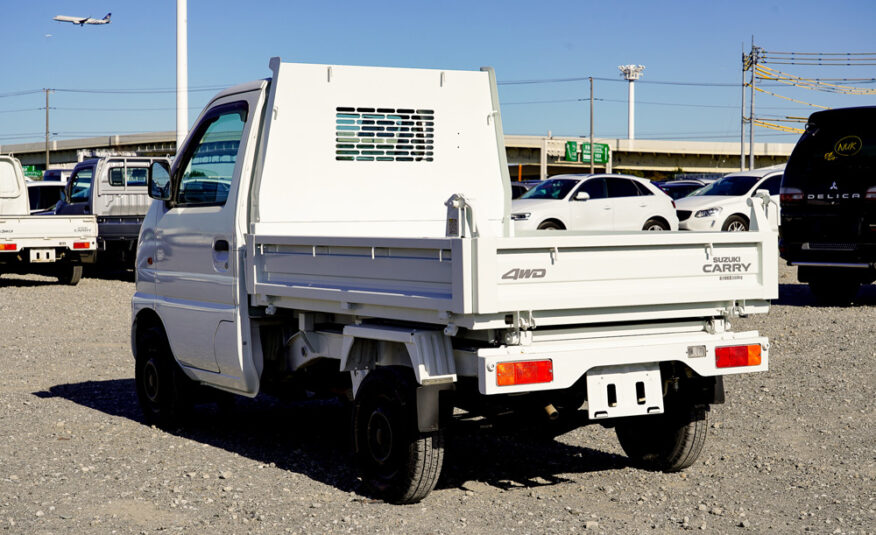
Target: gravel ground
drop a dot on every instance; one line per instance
(791, 451)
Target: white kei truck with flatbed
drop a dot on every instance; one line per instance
(346, 229)
(56, 246)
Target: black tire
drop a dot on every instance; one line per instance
(399, 464)
(669, 442)
(833, 291)
(550, 225)
(164, 392)
(655, 224)
(70, 274)
(735, 223)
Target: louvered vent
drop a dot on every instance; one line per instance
(384, 135)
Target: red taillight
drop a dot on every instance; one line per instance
(790, 195)
(734, 356)
(81, 245)
(524, 372)
(8, 247)
(871, 194)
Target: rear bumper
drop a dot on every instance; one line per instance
(573, 359)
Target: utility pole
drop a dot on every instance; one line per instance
(592, 154)
(751, 123)
(47, 126)
(631, 73)
(182, 73)
(742, 114)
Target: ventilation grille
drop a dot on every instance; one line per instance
(384, 135)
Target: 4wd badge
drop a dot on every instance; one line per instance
(520, 273)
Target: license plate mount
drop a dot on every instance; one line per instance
(624, 390)
(39, 256)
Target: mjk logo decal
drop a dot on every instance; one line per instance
(848, 146)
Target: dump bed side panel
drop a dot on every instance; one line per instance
(624, 269)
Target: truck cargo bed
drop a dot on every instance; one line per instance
(557, 277)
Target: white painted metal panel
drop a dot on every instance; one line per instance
(13, 194)
(304, 185)
(579, 271)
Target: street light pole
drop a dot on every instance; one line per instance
(182, 70)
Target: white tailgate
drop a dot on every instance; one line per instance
(567, 270)
(48, 231)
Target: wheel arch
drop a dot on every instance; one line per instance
(144, 320)
(659, 218)
(555, 220)
(739, 215)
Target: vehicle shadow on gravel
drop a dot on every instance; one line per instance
(313, 438)
(800, 295)
(15, 282)
(508, 456)
(109, 273)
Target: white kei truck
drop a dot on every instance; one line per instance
(56, 246)
(346, 229)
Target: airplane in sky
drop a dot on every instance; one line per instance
(83, 20)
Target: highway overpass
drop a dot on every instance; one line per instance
(528, 156)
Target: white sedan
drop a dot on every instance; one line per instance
(594, 202)
(722, 205)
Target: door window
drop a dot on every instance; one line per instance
(771, 184)
(621, 187)
(595, 187)
(80, 185)
(207, 173)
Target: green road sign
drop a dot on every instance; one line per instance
(30, 171)
(571, 151)
(601, 154)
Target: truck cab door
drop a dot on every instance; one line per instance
(199, 243)
(78, 193)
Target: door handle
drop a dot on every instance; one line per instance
(220, 246)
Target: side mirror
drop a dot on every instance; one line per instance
(582, 196)
(158, 181)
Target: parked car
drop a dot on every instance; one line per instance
(677, 189)
(518, 188)
(594, 202)
(61, 175)
(43, 196)
(722, 205)
(829, 204)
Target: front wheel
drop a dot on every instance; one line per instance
(163, 390)
(670, 442)
(549, 225)
(735, 223)
(655, 224)
(399, 463)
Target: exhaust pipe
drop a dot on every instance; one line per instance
(552, 412)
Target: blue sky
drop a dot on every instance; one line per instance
(231, 42)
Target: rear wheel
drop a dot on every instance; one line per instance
(669, 442)
(399, 463)
(655, 224)
(735, 223)
(69, 274)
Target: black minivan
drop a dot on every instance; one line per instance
(828, 200)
